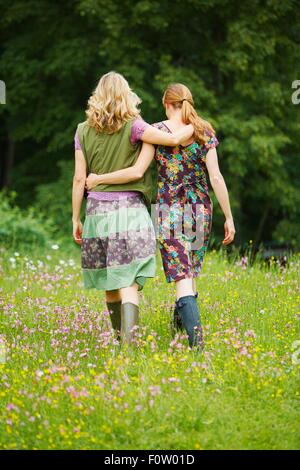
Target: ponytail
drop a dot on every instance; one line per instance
(202, 127)
(180, 96)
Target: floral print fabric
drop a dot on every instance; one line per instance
(184, 206)
(118, 243)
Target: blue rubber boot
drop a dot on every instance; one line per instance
(176, 322)
(188, 311)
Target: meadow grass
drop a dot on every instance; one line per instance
(67, 384)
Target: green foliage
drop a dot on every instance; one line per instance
(288, 230)
(20, 228)
(55, 198)
(238, 58)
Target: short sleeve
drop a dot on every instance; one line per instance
(137, 130)
(212, 141)
(77, 142)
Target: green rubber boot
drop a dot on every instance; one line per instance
(129, 319)
(114, 309)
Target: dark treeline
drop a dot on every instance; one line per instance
(238, 58)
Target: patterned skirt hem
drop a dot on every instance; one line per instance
(118, 277)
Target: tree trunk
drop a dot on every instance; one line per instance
(260, 228)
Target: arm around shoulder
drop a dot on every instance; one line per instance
(154, 136)
(133, 173)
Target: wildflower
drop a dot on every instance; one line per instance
(39, 373)
(11, 406)
(250, 334)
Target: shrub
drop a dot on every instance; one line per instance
(22, 227)
(56, 199)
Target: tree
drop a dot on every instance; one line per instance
(238, 58)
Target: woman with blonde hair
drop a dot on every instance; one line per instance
(117, 239)
(183, 203)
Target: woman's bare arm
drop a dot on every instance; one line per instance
(132, 173)
(219, 186)
(152, 135)
(77, 193)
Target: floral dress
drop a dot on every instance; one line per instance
(184, 208)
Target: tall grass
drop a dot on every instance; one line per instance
(67, 384)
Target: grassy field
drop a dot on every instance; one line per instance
(65, 384)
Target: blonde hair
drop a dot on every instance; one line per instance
(112, 104)
(179, 96)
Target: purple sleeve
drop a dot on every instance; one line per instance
(212, 141)
(76, 142)
(137, 130)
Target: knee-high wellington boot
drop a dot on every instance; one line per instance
(114, 309)
(129, 319)
(189, 313)
(176, 322)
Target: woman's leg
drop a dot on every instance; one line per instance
(130, 294)
(113, 296)
(113, 302)
(129, 312)
(184, 287)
